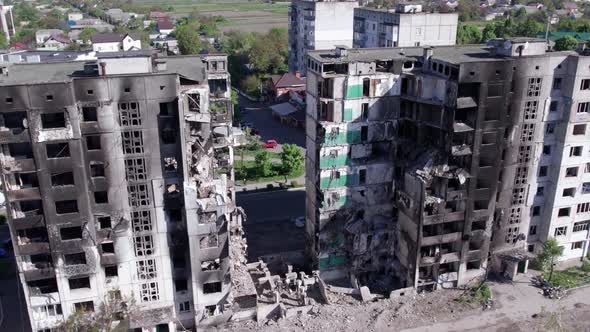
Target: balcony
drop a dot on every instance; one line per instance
(454, 194)
(38, 271)
(24, 194)
(440, 259)
(443, 238)
(461, 150)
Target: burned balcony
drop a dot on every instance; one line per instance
(42, 286)
(222, 137)
(14, 125)
(439, 254)
(26, 208)
(218, 88)
(33, 241)
(222, 160)
(23, 186)
(18, 156)
(220, 111)
(38, 267)
(461, 145)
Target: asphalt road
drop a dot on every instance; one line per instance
(260, 116)
(269, 226)
(14, 316)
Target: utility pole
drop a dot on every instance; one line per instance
(547, 29)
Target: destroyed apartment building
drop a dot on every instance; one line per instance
(119, 184)
(426, 165)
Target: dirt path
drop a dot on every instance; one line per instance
(518, 302)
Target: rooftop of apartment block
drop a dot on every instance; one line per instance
(449, 54)
(190, 67)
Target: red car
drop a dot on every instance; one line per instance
(271, 143)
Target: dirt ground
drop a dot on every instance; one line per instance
(518, 306)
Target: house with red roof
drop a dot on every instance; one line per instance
(280, 86)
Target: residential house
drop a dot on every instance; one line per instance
(56, 42)
(164, 26)
(42, 34)
(280, 85)
(115, 42)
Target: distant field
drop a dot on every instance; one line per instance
(241, 14)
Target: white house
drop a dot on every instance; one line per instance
(75, 16)
(115, 42)
(41, 35)
(56, 42)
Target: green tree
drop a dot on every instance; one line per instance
(237, 42)
(529, 28)
(251, 85)
(291, 160)
(551, 253)
(489, 32)
(263, 164)
(25, 12)
(269, 52)
(189, 41)
(566, 43)
(468, 34)
(86, 34)
(3, 42)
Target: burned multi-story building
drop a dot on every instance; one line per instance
(119, 184)
(427, 165)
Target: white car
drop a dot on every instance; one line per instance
(299, 222)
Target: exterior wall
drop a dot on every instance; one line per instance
(106, 47)
(381, 28)
(318, 25)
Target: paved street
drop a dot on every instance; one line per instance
(269, 228)
(260, 116)
(13, 315)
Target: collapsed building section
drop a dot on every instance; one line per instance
(119, 183)
(423, 163)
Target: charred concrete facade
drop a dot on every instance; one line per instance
(440, 149)
(118, 180)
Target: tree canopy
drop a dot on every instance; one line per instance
(189, 41)
(566, 43)
(291, 159)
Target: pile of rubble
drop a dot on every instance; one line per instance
(348, 312)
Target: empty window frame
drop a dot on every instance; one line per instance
(53, 120)
(50, 310)
(547, 150)
(138, 195)
(564, 212)
(550, 128)
(104, 222)
(571, 172)
(512, 235)
(557, 83)
(540, 191)
(96, 169)
(533, 230)
(71, 233)
(579, 129)
(57, 150)
(581, 226)
(146, 269)
(77, 283)
(184, 306)
(528, 132)
(67, 206)
(62, 179)
(144, 245)
(514, 217)
(180, 285)
(141, 220)
(560, 231)
(87, 306)
(107, 248)
(543, 170)
(75, 259)
(583, 107)
(111, 271)
(586, 188)
(536, 211)
(132, 142)
(89, 114)
(530, 110)
(553, 106)
(129, 114)
(208, 241)
(534, 87)
(149, 292)
(569, 192)
(135, 169)
(212, 287)
(93, 142)
(577, 245)
(576, 151)
(101, 197)
(585, 84)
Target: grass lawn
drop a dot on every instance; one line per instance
(250, 153)
(247, 169)
(570, 278)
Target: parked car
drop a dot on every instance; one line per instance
(271, 143)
